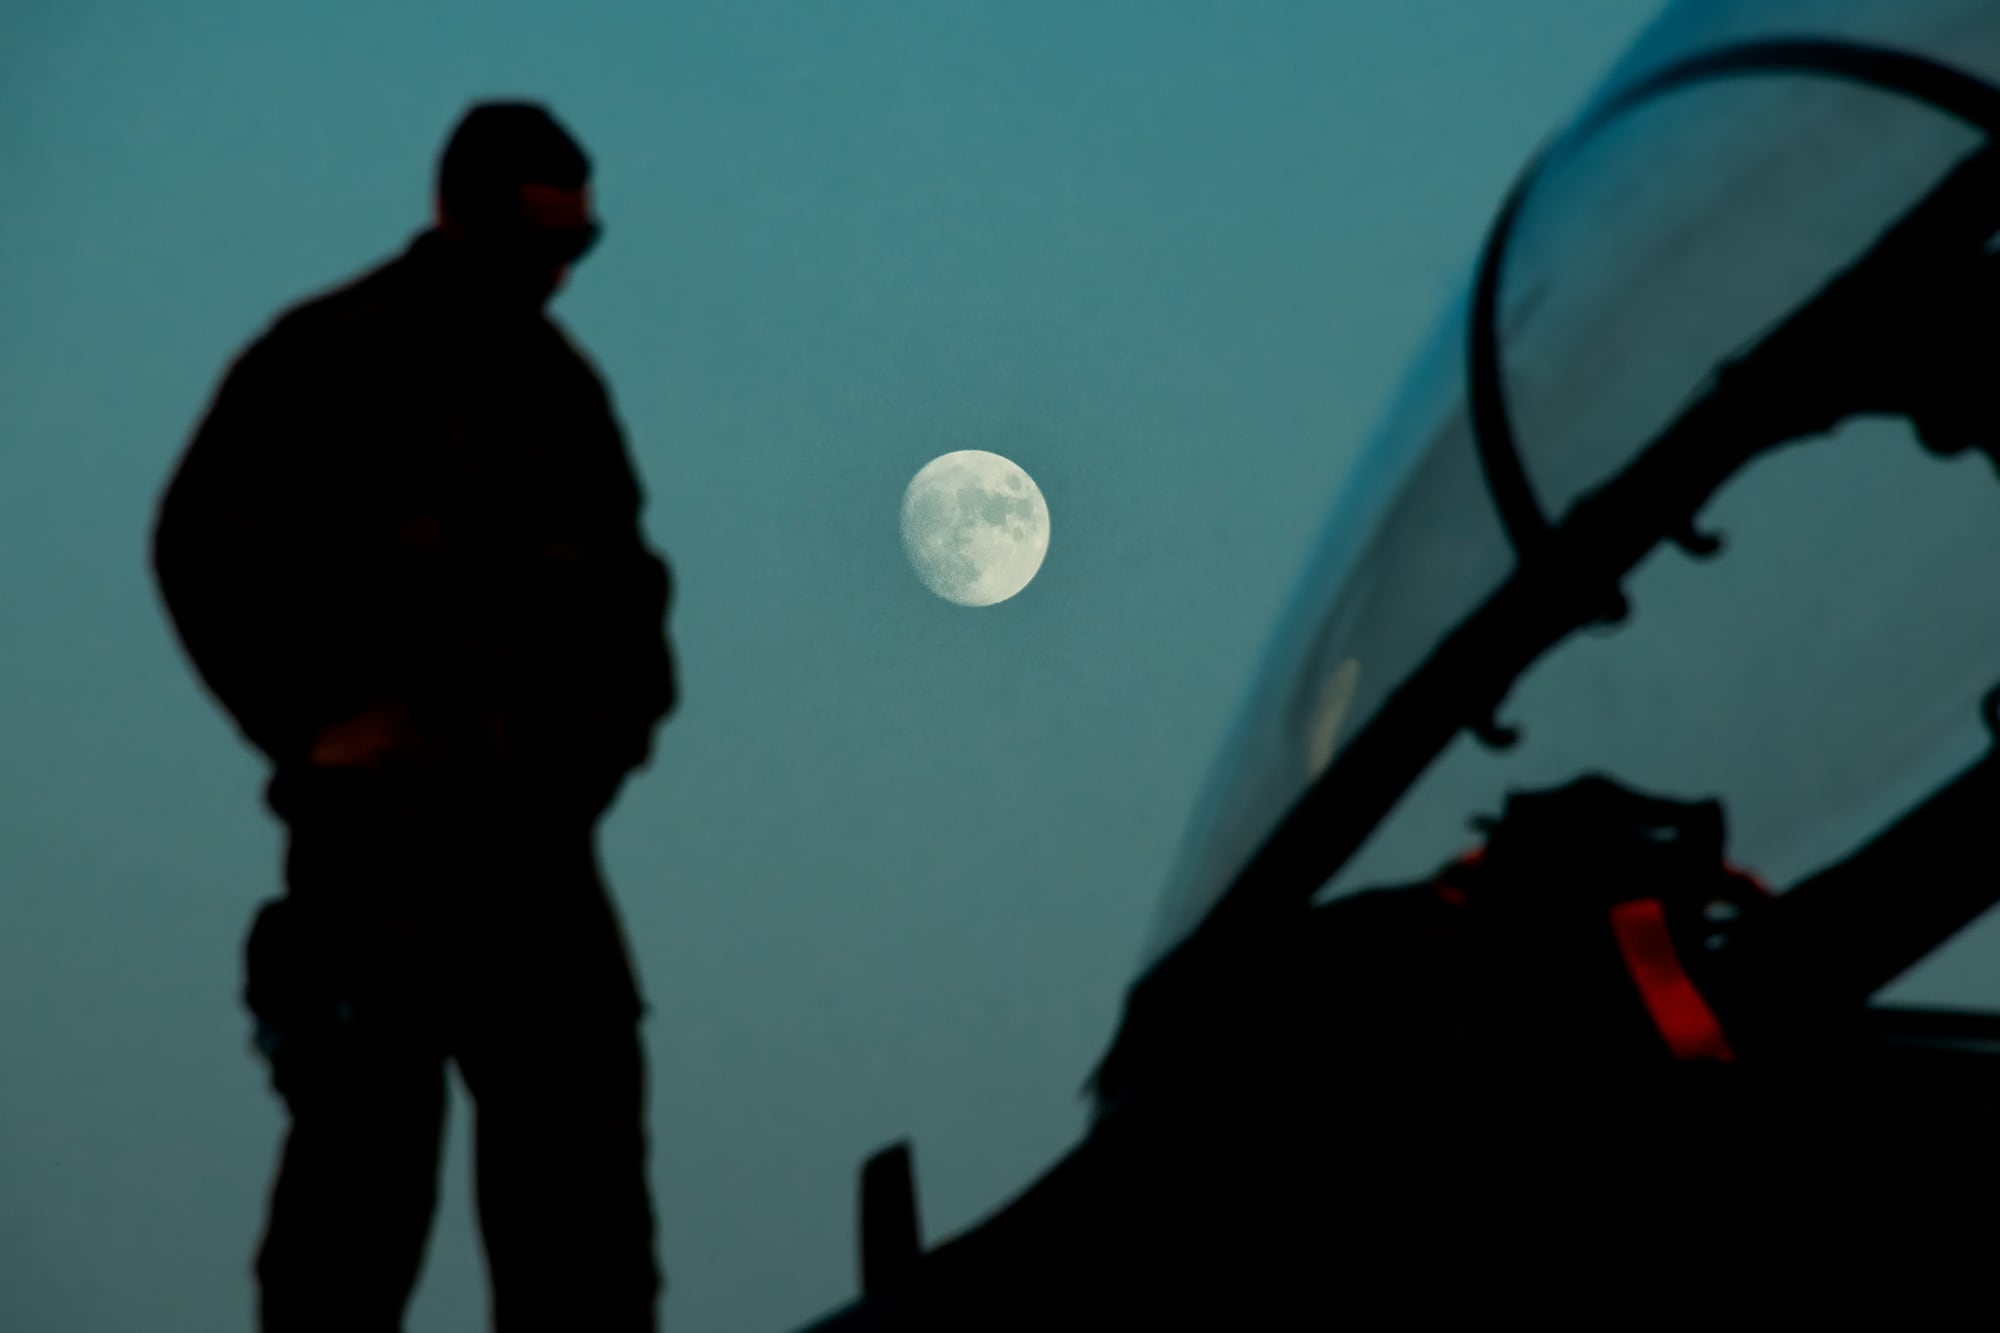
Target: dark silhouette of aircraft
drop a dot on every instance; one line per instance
(1591, 1070)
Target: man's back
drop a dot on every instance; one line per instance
(403, 492)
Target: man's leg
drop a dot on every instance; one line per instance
(357, 1184)
(553, 1060)
(344, 975)
(564, 1205)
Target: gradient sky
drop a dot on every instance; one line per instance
(894, 864)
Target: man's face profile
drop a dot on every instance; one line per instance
(551, 230)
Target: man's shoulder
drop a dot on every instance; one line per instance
(323, 338)
(356, 307)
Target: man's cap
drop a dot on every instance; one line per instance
(498, 147)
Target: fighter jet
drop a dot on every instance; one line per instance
(1534, 948)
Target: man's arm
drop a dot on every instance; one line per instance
(641, 685)
(638, 686)
(248, 563)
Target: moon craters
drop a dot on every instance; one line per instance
(975, 527)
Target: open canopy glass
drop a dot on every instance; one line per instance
(1825, 669)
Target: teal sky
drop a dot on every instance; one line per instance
(896, 858)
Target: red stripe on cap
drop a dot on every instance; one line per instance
(1684, 1019)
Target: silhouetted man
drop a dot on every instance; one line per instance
(404, 552)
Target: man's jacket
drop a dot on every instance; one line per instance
(406, 495)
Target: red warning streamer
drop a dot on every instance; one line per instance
(1690, 1027)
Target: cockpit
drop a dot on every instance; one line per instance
(1807, 622)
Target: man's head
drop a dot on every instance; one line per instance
(513, 191)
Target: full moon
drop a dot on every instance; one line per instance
(975, 527)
